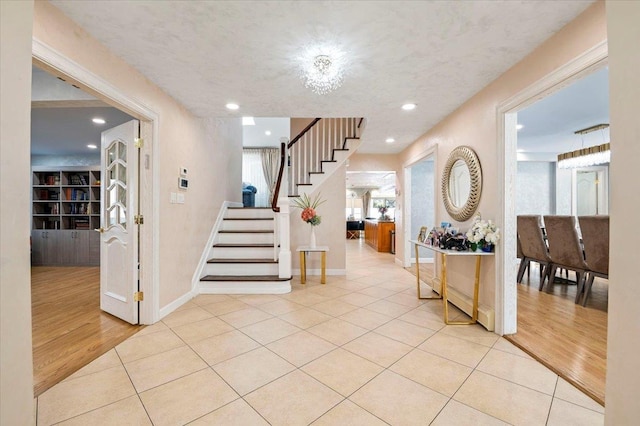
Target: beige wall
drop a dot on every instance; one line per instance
(474, 124)
(331, 232)
(16, 370)
(623, 340)
(210, 150)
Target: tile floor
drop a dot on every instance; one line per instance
(360, 350)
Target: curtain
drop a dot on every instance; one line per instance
(252, 175)
(270, 162)
(366, 199)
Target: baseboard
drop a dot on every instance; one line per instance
(319, 272)
(177, 303)
(486, 315)
(422, 260)
(245, 287)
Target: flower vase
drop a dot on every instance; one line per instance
(474, 246)
(312, 239)
(487, 248)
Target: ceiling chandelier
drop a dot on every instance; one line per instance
(586, 157)
(323, 73)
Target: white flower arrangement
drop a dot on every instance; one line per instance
(483, 232)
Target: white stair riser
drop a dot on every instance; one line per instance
(245, 238)
(241, 269)
(241, 253)
(245, 225)
(249, 213)
(245, 287)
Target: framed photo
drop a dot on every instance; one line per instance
(423, 234)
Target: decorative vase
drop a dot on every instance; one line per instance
(474, 246)
(487, 248)
(312, 239)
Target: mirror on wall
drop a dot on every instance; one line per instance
(462, 183)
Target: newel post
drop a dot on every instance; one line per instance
(284, 268)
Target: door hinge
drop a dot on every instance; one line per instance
(138, 142)
(138, 219)
(138, 296)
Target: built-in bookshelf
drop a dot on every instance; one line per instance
(65, 209)
(66, 199)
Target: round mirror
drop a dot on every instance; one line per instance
(462, 183)
(459, 183)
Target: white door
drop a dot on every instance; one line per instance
(119, 234)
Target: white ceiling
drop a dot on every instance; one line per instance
(435, 54)
(255, 135)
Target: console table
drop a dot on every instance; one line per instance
(443, 278)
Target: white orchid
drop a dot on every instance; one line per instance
(483, 231)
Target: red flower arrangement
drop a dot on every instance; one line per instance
(308, 207)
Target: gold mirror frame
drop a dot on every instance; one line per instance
(470, 158)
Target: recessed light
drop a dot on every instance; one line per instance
(92, 146)
(98, 120)
(232, 106)
(408, 107)
(390, 140)
(267, 132)
(519, 126)
(248, 121)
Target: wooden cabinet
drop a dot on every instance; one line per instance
(65, 248)
(378, 234)
(65, 208)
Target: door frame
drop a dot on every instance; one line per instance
(506, 119)
(57, 64)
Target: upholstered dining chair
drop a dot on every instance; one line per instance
(565, 249)
(595, 238)
(533, 246)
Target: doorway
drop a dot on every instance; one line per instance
(509, 312)
(60, 67)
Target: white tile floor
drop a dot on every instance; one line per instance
(360, 350)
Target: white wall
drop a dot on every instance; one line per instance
(56, 161)
(16, 369)
(536, 188)
(623, 340)
(422, 196)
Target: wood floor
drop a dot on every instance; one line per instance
(569, 339)
(69, 329)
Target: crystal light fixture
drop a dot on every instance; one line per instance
(586, 157)
(322, 70)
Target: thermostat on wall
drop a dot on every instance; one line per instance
(183, 183)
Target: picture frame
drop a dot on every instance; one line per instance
(422, 236)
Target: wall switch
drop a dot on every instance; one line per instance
(174, 198)
(180, 198)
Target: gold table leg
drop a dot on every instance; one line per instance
(303, 267)
(323, 274)
(418, 276)
(476, 288)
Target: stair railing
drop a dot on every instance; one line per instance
(304, 156)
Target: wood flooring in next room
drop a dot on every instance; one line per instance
(69, 329)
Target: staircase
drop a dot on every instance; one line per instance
(241, 260)
(251, 248)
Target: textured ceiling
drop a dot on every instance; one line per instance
(435, 54)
